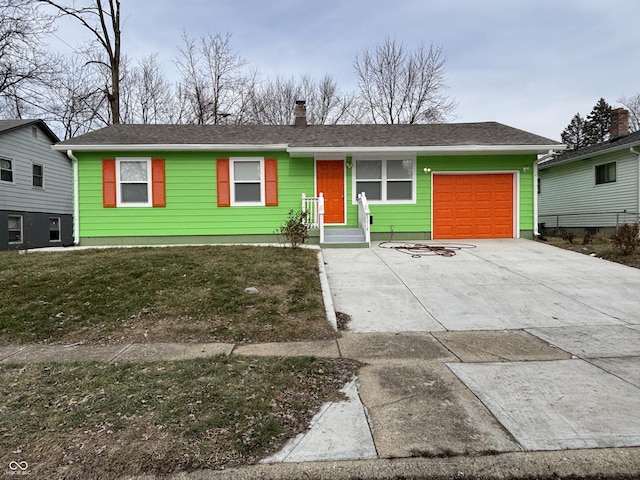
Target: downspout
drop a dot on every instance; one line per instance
(634, 151)
(536, 231)
(76, 204)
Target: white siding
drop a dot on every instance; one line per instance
(569, 189)
(23, 149)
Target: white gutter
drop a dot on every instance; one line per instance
(634, 151)
(551, 153)
(172, 147)
(590, 155)
(76, 204)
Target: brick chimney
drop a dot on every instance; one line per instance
(619, 123)
(300, 112)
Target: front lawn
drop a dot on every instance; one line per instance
(176, 294)
(97, 420)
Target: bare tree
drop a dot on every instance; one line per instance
(325, 102)
(74, 104)
(274, 100)
(102, 19)
(398, 86)
(211, 79)
(632, 104)
(146, 94)
(24, 63)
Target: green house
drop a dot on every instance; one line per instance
(194, 184)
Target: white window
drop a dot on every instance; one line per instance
(6, 170)
(247, 181)
(54, 229)
(15, 229)
(133, 177)
(386, 181)
(37, 174)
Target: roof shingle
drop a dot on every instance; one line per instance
(618, 143)
(323, 136)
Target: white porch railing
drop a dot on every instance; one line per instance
(314, 208)
(364, 216)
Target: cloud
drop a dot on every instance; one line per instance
(529, 63)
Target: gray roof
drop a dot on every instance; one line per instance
(8, 125)
(486, 134)
(630, 140)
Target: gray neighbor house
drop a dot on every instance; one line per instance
(35, 187)
(594, 188)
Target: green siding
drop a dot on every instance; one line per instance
(569, 189)
(191, 198)
(416, 218)
(192, 213)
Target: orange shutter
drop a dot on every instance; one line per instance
(271, 181)
(158, 185)
(224, 185)
(109, 182)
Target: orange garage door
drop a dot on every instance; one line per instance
(473, 206)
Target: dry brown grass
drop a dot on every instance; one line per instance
(177, 294)
(599, 246)
(94, 420)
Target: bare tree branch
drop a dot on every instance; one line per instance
(104, 25)
(24, 62)
(632, 104)
(398, 86)
(213, 81)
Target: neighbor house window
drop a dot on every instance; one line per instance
(37, 173)
(54, 229)
(606, 173)
(133, 178)
(6, 170)
(390, 181)
(15, 229)
(247, 181)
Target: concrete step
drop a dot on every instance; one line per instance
(345, 237)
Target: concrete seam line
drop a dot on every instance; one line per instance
(113, 359)
(326, 293)
(20, 349)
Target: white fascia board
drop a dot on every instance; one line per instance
(172, 147)
(424, 150)
(586, 156)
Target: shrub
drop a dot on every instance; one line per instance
(568, 236)
(295, 228)
(626, 238)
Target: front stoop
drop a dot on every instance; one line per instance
(344, 238)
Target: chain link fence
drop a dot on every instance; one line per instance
(592, 222)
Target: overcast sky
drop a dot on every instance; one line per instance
(531, 64)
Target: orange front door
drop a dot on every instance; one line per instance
(473, 206)
(330, 182)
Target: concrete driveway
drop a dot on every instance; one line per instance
(497, 284)
(510, 345)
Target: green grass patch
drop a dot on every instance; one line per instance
(98, 420)
(162, 294)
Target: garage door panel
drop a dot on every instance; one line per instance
(473, 206)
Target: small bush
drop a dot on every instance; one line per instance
(568, 236)
(626, 238)
(295, 228)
